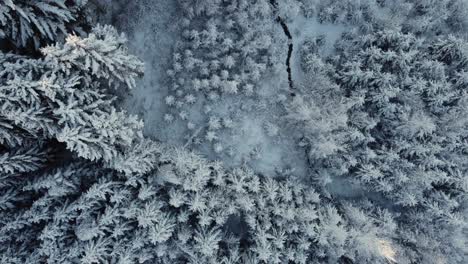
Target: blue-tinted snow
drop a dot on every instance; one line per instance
(152, 30)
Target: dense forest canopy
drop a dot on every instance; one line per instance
(216, 131)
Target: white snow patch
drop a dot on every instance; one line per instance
(152, 34)
(261, 138)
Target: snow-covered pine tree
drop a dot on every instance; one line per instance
(56, 108)
(33, 23)
(64, 92)
(67, 95)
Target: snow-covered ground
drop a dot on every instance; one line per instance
(152, 30)
(259, 137)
